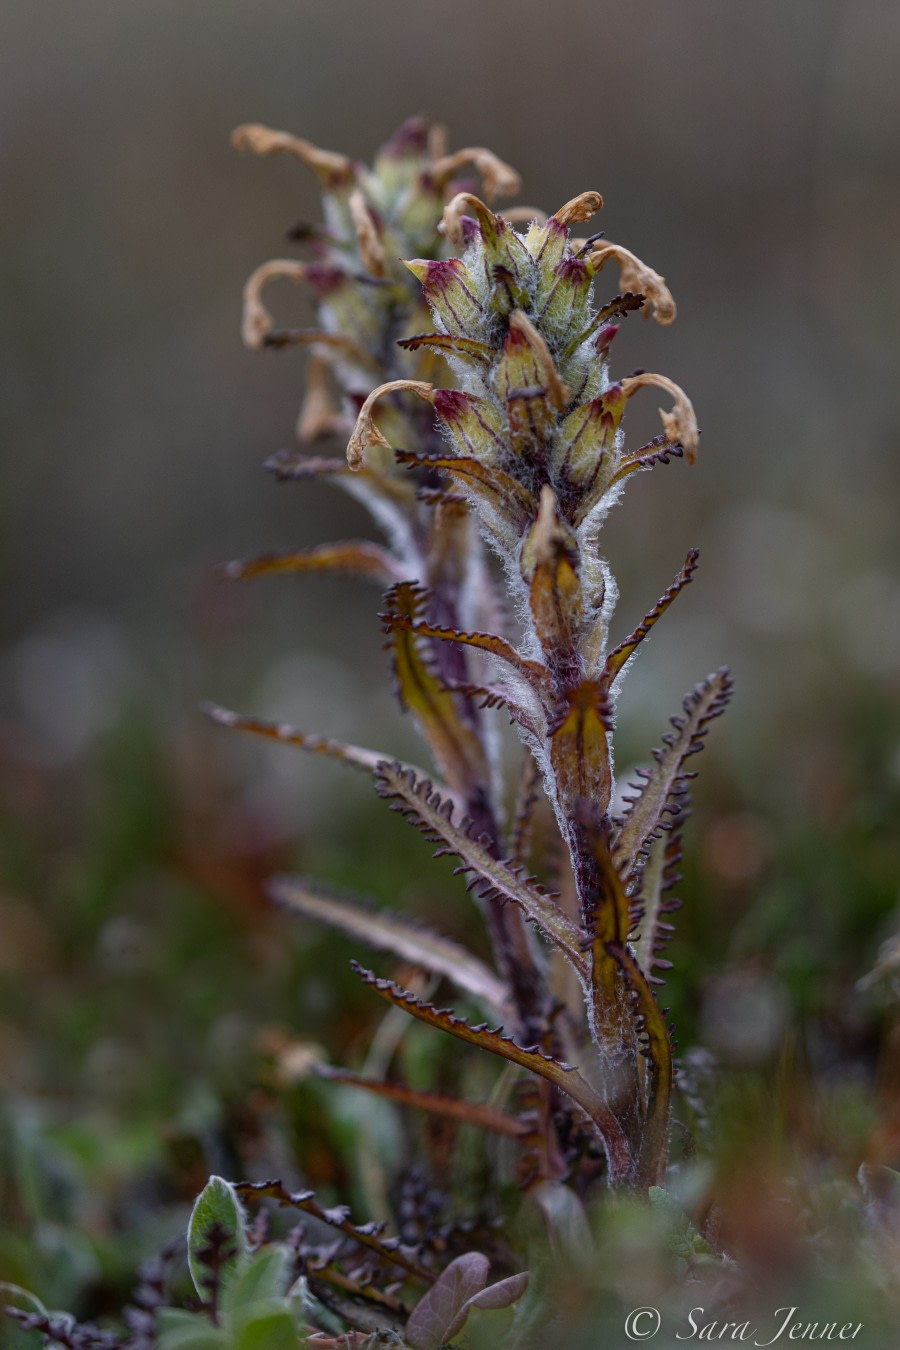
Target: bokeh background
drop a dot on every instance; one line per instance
(749, 152)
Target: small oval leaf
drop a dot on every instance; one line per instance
(217, 1236)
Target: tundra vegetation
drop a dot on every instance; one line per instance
(463, 353)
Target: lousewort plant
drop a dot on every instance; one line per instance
(525, 454)
(471, 383)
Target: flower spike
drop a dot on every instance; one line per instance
(525, 446)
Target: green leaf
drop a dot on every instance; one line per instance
(217, 1235)
(263, 1277)
(686, 1241)
(12, 1335)
(179, 1330)
(269, 1328)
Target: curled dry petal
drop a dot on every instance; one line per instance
(257, 321)
(558, 391)
(366, 432)
(582, 207)
(464, 204)
(500, 179)
(681, 423)
(266, 141)
(371, 249)
(637, 276)
(318, 414)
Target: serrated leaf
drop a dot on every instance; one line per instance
(394, 933)
(619, 306)
(388, 1249)
(479, 352)
(658, 451)
(356, 557)
(653, 901)
(217, 1225)
(528, 1057)
(416, 799)
(503, 505)
(621, 655)
(399, 618)
(654, 1036)
(658, 793)
(455, 744)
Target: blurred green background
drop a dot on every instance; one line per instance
(747, 151)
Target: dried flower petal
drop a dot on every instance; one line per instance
(500, 179)
(637, 276)
(331, 168)
(318, 414)
(582, 207)
(365, 432)
(681, 423)
(257, 321)
(371, 249)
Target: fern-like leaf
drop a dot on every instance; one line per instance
(621, 655)
(367, 1235)
(397, 616)
(528, 1057)
(492, 880)
(454, 742)
(658, 794)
